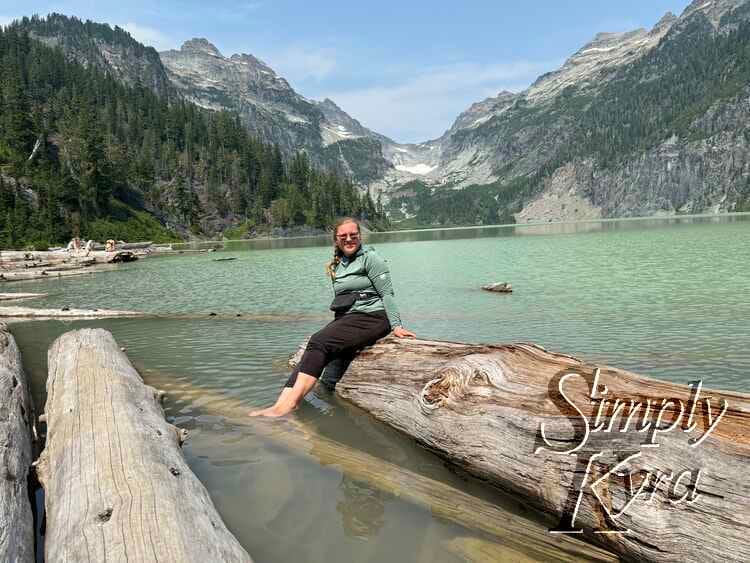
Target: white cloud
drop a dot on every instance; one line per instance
(298, 63)
(424, 105)
(150, 36)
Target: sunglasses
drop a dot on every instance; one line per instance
(353, 236)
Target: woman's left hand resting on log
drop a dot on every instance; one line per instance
(401, 332)
(365, 310)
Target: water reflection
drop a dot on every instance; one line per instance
(456, 233)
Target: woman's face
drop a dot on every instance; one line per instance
(347, 238)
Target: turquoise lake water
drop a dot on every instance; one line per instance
(664, 298)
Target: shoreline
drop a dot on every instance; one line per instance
(185, 246)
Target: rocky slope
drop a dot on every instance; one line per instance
(638, 123)
(109, 49)
(641, 122)
(270, 108)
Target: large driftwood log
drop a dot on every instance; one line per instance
(482, 407)
(64, 313)
(16, 419)
(516, 534)
(117, 487)
(25, 275)
(19, 296)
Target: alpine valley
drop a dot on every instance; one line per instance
(647, 122)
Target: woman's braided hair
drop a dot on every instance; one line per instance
(337, 254)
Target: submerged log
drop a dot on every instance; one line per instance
(117, 486)
(499, 287)
(16, 420)
(516, 533)
(508, 415)
(64, 313)
(21, 275)
(15, 296)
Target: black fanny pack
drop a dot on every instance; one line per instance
(344, 301)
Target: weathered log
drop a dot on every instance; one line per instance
(15, 296)
(20, 275)
(64, 313)
(483, 407)
(117, 486)
(517, 533)
(499, 287)
(16, 420)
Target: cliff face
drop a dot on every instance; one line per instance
(109, 49)
(638, 123)
(271, 109)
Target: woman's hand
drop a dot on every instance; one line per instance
(401, 332)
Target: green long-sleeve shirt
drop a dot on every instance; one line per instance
(367, 271)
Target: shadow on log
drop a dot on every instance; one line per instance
(516, 533)
(483, 407)
(117, 486)
(16, 419)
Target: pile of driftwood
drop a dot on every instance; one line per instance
(30, 265)
(117, 486)
(18, 265)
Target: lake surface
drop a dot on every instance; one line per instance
(665, 298)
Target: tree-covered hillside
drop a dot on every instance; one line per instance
(83, 153)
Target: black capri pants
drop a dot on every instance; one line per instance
(342, 338)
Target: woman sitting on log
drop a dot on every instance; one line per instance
(365, 311)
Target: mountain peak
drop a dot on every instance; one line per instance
(328, 102)
(666, 21)
(201, 45)
(713, 10)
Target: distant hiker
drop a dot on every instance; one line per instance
(109, 246)
(365, 311)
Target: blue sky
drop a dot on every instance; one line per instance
(403, 68)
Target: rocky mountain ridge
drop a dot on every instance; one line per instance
(270, 108)
(580, 142)
(659, 94)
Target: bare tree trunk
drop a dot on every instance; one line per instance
(16, 420)
(483, 407)
(117, 486)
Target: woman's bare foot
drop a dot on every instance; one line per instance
(274, 411)
(290, 397)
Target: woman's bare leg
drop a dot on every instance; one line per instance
(290, 397)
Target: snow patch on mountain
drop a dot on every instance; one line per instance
(418, 169)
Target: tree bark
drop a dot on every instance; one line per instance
(482, 408)
(117, 486)
(16, 419)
